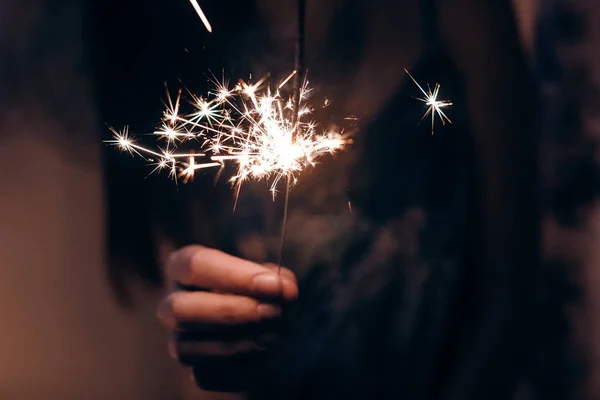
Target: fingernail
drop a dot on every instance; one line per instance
(268, 311)
(267, 283)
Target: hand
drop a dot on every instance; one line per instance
(224, 311)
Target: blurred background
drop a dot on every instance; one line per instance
(76, 320)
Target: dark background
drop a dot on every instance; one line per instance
(71, 69)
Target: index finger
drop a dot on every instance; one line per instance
(215, 270)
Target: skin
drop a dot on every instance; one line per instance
(235, 291)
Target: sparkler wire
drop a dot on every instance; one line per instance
(299, 63)
(298, 82)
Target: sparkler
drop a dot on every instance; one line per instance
(263, 131)
(250, 125)
(435, 105)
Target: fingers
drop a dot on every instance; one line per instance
(187, 352)
(213, 308)
(190, 350)
(214, 270)
(222, 306)
(282, 271)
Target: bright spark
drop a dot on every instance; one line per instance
(249, 125)
(201, 15)
(435, 105)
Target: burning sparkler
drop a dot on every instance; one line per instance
(261, 129)
(435, 105)
(251, 125)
